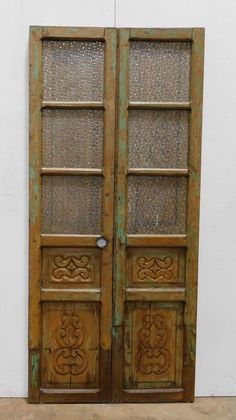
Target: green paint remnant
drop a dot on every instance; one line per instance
(36, 63)
(32, 173)
(35, 369)
(191, 340)
(36, 189)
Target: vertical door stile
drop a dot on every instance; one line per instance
(35, 76)
(120, 217)
(108, 207)
(193, 210)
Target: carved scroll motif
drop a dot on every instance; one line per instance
(153, 355)
(155, 269)
(69, 357)
(72, 269)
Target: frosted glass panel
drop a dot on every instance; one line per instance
(157, 205)
(71, 204)
(159, 71)
(158, 139)
(73, 138)
(73, 70)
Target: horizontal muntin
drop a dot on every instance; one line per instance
(71, 171)
(158, 171)
(72, 105)
(160, 105)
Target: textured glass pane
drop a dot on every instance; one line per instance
(156, 204)
(71, 204)
(73, 138)
(158, 139)
(159, 71)
(73, 70)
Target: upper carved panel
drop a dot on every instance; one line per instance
(156, 269)
(71, 268)
(64, 267)
(161, 265)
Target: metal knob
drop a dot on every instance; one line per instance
(101, 242)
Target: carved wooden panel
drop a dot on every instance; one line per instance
(156, 266)
(153, 345)
(70, 345)
(70, 267)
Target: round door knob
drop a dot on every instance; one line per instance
(101, 242)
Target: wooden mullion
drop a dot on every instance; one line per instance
(160, 105)
(35, 59)
(193, 212)
(72, 105)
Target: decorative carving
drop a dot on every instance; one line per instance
(155, 269)
(153, 355)
(72, 268)
(70, 336)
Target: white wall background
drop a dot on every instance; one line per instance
(216, 345)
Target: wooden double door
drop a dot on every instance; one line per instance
(115, 130)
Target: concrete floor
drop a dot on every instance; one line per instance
(204, 408)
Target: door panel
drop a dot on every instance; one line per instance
(72, 193)
(112, 308)
(157, 188)
(153, 345)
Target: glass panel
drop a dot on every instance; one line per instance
(156, 204)
(159, 71)
(71, 204)
(158, 139)
(73, 138)
(73, 70)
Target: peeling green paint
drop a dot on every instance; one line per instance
(35, 369)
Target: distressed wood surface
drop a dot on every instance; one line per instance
(35, 75)
(120, 220)
(119, 323)
(143, 330)
(193, 212)
(160, 105)
(70, 357)
(72, 105)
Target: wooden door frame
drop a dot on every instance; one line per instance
(37, 295)
(189, 241)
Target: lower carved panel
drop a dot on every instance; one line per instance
(70, 345)
(153, 345)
